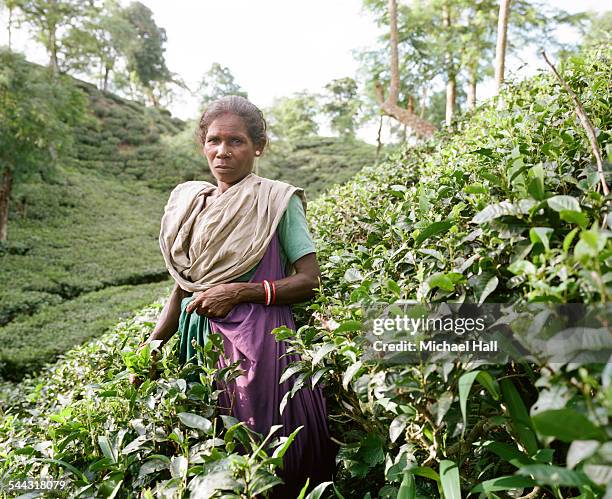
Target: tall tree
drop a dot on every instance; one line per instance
(449, 60)
(597, 29)
(342, 105)
(500, 52)
(218, 82)
(146, 55)
(37, 110)
(99, 40)
(293, 118)
(10, 6)
(477, 44)
(389, 104)
(50, 21)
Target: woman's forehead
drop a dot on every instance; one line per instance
(227, 123)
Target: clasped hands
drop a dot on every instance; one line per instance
(217, 301)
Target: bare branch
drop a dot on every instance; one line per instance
(586, 124)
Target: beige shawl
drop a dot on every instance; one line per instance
(203, 247)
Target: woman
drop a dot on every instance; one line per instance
(231, 250)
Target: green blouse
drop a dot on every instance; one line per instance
(293, 236)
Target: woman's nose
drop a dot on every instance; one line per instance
(222, 149)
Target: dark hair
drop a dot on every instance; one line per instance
(235, 104)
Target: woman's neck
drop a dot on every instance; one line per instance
(224, 186)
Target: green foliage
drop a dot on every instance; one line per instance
(342, 106)
(86, 422)
(316, 163)
(80, 234)
(100, 41)
(293, 118)
(38, 113)
(507, 208)
(52, 24)
(216, 83)
(146, 53)
(449, 40)
(598, 30)
(31, 341)
(127, 140)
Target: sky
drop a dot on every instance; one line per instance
(275, 47)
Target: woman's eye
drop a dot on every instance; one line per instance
(237, 141)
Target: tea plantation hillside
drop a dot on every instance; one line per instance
(82, 243)
(83, 247)
(508, 208)
(317, 163)
(128, 141)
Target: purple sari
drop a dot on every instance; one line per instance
(254, 398)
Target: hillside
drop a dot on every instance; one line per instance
(83, 247)
(82, 244)
(128, 141)
(458, 219)
(317, 163)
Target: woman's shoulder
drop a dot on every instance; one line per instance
(191, 187)
(280, 186)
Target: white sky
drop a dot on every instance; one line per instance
(273, 47)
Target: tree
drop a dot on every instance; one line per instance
(146, 54)
(477, 44)
(463, 49)
(293, 118)
(500, 51)
(37, 111)
(449, 60)
(216, 83)
(597, 30)
(342, 105)
(99, 40)
(10, 6)
(389, 105)
(51, 20)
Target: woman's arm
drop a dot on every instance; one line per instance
(168, 321)
(218, 301)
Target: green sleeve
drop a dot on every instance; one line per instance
(293, 234)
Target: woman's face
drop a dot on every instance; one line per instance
(229, 149)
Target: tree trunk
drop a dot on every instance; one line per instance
(472, 82)
(423, 100)
(106, 74)
(10, 28)
(5, 193)
(53, 63)
(389, 105)
(151, 94)
(451, 81)
(378, 141)
(451, 97)
(500, 53)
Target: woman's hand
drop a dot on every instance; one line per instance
(136, 381)
(217, 301)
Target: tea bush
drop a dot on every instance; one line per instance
(506, 208)
(83, 422)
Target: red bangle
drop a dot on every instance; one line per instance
(266, 286)
(273, 301)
